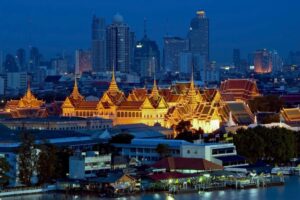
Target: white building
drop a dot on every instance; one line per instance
(144, 150)
(87, 164)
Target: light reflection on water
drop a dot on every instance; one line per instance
(291, 190)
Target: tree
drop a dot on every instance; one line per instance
(27, 158)
(183, 126)
(122, 138)
(269, 103)
(4, 169)
(47, 163)
(62, 166)
(163, 150)
(274, 145)
(188, 136)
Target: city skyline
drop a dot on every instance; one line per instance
(43, 24)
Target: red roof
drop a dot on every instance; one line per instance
(200, 164)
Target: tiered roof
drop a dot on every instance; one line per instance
(239, 89)
(291, 115)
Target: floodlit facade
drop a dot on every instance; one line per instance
(167, 107)
(27, 106)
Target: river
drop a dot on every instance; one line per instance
(291, 190)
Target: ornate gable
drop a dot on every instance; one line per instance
(147, 104)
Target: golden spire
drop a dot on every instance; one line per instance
(192, 94)
(28, 95)
(113, 87)
(75, 93)
(155, 92)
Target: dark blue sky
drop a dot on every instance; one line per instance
(57, 25)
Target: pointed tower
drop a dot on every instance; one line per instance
(75, 93)
(28, 95)
(255, 120)
(230, 122)
(192, 96)
(113, 87)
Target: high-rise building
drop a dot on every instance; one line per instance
(173, 46)
(146, 57)
(262, 61)
(34, 59)
(118, 45)
(10, 64)
(236, 58)
(199, 35)
(277, 61)
(21, 59)
(98, 44)
(82, 61)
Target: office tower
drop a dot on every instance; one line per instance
(118, 45)
(34, 59)
(277, 61)
(98, 44)
(199, 35)
(236, 58)
(262, 61)
(146, 57)
(10, 64)
(82, 61)
(21, 59)
(173, 46)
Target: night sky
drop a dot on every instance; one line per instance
(64, 25)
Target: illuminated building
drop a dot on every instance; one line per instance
(27, 106)
(205, 109)
(262, 61)
(290, 116)
(198, 37)
(238, 89)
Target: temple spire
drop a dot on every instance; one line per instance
(155, 92)
(192, 94)
(75, 93)
(28, 94)
(113, 87)
(230, 121)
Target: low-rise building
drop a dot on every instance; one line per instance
(87, 164)
(57, 123)
(145, 150)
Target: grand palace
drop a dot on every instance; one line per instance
(207, 109)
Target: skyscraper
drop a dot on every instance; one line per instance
(98, 44)
(34, 59)
(236, 58)
(118, 45)
(262, 61)
(173, 46)
(146, 57)
(199, 35)
(277, 61)
(21, 59)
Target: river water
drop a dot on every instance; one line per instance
(291, 190)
